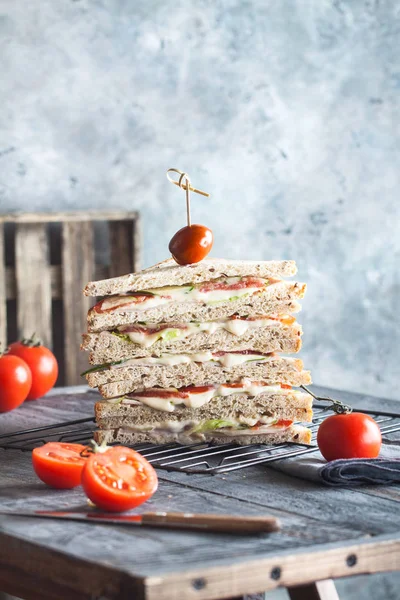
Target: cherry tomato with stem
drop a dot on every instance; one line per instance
(349, 435)
(42, 363)
(15, 381)
(118, 479)
(59, 465)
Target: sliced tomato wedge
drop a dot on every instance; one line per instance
(118, 479)
(281, 424)
(284, 423)
(59, 465)
(125, 301)
(245, 282)
(199, 389)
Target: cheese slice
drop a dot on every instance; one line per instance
(260, 430)
(195, 293)
(227, 359)
(192, 399)
(145, 336)
(192, 430)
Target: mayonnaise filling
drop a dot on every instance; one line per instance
(202, 429)
(228, 359)
(260, 430)
(197, 400)
(194, 293)
(145, 338)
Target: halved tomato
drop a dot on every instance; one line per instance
(118, 479)
(58, 464)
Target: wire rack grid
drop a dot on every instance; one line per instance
(193, 459)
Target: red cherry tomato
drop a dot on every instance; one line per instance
(353, 435)
(42, 363)
(118, 479)
(59, 465)
(191, 244)
(15, 382)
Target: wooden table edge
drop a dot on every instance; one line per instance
(33, 572)
(36, 573)
(287, 570)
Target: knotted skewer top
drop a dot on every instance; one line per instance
(184, 177)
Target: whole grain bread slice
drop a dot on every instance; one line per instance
(169, 272)
(296, 406)
(277, 298)
(274, 336)
(281, 370)
(295, 433)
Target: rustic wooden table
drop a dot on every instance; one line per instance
(327, 533)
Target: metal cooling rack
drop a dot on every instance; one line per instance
(196, 458)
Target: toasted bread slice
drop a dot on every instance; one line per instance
(274, 336)
(278, 298)
(113, 383)
(287, 404)
(169, 272)
(295, 433)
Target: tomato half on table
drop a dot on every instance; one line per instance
(353, 435)
(59, 464)
(118, 479)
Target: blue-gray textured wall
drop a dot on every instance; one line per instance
(286, 111)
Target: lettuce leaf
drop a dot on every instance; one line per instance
(165, 335)
(96, 368)
(169, 335)
(213, 424)
(122, 336)
(102, 367)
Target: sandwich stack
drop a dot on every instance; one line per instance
(190, 353)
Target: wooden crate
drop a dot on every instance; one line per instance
(45, 262)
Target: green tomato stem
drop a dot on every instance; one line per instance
(338, 407)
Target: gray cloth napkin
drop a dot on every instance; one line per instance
(349, 472)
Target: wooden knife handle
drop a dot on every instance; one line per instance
(214, 523)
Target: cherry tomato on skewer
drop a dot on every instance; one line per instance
(191, 244)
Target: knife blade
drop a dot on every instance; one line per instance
(188, 521)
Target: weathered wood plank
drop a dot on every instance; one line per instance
(59, 217)
(137, 243)
(101, 272)
(125, 246)
(286, 570)
(121, 247)
(77, 270)
(3, 295)
(33, 281)
(52, 575)
(188, 565)
(320, 590)
(349, 508)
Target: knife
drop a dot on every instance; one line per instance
(189, 521)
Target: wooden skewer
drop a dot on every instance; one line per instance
(182, 185)
(188, 188)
